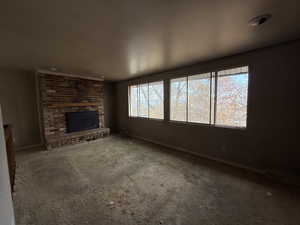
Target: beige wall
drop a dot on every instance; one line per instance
(18, 100)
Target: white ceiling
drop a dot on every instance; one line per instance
(123, 39)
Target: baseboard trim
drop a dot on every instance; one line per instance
(28, 147)
(226, 162)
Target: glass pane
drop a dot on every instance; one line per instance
(156, 100)
(199, 98)
(143, 100)
(133, 94)
(178, 95)
(232, 94)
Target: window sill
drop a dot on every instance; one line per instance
(230, 127)
(190, 123)
(206, 125)
(145, 118)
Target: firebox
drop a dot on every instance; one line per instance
(84, 120)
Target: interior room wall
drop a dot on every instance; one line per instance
(109, 106)
(268, 142)
(19, 106)
(6, 205)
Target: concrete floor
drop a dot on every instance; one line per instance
(124, 181)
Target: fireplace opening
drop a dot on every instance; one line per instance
(79, 121)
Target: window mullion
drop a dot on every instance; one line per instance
(148, 102)
(138, 100)
(187, 98)
(129, 101)
(210, 96)
(215, 97)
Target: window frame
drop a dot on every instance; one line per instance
(163, 100)
(129, 102)
(187, 102)
(166, 83)
(213, 101)
(247, 101)
(186, 80)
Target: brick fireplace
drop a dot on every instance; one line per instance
(62, 95)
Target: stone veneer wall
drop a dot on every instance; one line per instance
(55, 91)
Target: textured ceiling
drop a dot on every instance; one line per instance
(123, 39)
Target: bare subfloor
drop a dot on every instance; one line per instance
(123, 181)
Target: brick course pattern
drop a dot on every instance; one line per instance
(58, 90)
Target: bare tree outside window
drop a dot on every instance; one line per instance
(143, 100)
(156, 100)
(199, 98)
(133, 100)
(232, 94)
(146, 100)
(178, 101)
(216, 98)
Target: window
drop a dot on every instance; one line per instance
(156, 100)
(217, 98)
(143, 110)
(190, 98)
(146, 100)
(232, 94)
(133, 100)
(178, 99)
(199, 98)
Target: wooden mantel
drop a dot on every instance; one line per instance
(73, 104)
